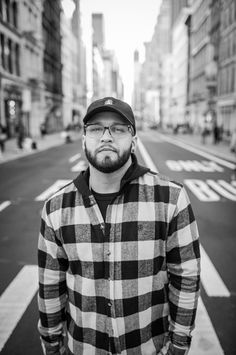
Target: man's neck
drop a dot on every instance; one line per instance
(107, 182)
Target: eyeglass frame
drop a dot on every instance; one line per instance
(130, 128)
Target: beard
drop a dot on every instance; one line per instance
(107, 164)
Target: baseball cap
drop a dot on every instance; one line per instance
(111, 104)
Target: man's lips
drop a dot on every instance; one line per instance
(106, 149)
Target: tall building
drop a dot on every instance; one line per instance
(30, 23)
(80, 79)
(97, 55)
(52, 66)
(200, 114)
(153, 78)
(176, 8)
(105, 67)
(180, 60)
(227, 68)
(137, 88)
(98, 30)
(21, 87)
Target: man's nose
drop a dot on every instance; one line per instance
(106, 135)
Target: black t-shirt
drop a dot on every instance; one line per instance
(103, 200)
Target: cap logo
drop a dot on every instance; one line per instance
(108, 102)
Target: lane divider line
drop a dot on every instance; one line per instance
(4, 205)
(210, 278)
(199, 152)
(15, 300)
(74, 158)
(146, 157)
(51, 190)
(205, 340)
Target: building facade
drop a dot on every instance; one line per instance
(11, 82)
(52, 116)
(226, 85)
(201, 57)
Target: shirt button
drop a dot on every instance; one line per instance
(109, 304)
(109, 253)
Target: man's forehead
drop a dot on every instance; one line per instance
(107, 116)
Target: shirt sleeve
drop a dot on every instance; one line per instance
(183, 264)
(52, 296)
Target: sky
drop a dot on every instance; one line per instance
(128, 24)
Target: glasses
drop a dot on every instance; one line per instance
(116, 130)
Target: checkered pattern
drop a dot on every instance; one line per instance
(126, 286)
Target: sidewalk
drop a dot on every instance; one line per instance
(49, 140)
(221, 150)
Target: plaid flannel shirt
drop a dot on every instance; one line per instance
(127, 285)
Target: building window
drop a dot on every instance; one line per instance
(9, 55)
(17, 59)
(232, 81)
(14, 13)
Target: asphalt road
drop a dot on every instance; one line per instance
(26, 182)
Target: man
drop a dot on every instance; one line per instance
(118, 251)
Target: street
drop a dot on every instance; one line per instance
(24, 185)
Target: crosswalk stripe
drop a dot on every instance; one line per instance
(51, 190)
(74, 158)
(205, 340)
(4, 205)
(81, 165)
(211, 280)
(16, 299)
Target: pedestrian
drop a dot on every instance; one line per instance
(204, 134)
(20, 135)
(43, 130)
(216, 134)
(3, 137)
(118, 251)
(233, 141)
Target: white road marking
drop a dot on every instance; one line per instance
(206, 190)
(201, 190)
(204, 154)
(233, 182)
(16, 299)
(74, 158)
(210, 278)
(219, 187)
(205, 340)
(193, 165)
(146, 156)
(51, 190)
(4, 205)
(81, 165)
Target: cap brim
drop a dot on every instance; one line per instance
(107, 109)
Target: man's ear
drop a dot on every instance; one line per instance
(134, 144)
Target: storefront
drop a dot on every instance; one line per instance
(227, 117)
(12, 103)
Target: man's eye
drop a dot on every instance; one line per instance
(95, 129)
(119, 129)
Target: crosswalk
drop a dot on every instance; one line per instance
(22, 289)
